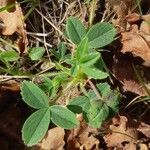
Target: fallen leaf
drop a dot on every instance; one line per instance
(122, 136)
(121, 9)
(134, 43)
(143, 146)
(133, 18)
(54, 140)
(11, 85)
(145, 129)
(123, 71)
(137, 40)
(12, 21)
(82, 137)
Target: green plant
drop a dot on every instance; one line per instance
(37, 124)
(11, 60)
(6, 59)
(75, 68)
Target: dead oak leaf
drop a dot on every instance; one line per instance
(123, 71)
(145, 129)
(134, 43)
(82, 137)
(121, 9)
(121, 133)
(12, 21)
(137, 39)
(54, 140)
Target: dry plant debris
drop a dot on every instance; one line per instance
(137, 39)
(123, 70)
(134, 30)
(82, 137)
(54, 140)
(12, 21)
(121, 8)
(123, 135)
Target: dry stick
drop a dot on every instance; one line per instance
(38, 34)
(66, 12)
(43, 26)
(61, 33)
(49, 22)
(95, 90)
(9, 77)
(49, 45)
(80, 6)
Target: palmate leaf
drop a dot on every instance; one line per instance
(63, 117)
(36, 126)
(101, 35)
(75, 30)
(111, 97)
(96, 114)
(33, 95)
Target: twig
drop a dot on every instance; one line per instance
(95, 90)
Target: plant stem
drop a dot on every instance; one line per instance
(95, 90)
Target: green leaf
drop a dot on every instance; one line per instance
(101, 35)
(97, 114)
(57, 82)
(33, 95)
(82, 49)
(63, 117)
(61, 50)
(76, 104)
(75, 30)
(104, 89)
(112, 101)
(111, 97)
(36, 53)
(90, 59)
(94, 73)
(36, 127)
(98, 110)
(46, 85)
(9, 55)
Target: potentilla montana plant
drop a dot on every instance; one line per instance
(74, 69)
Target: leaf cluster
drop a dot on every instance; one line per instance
(74, 68)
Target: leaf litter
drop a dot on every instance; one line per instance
(12, 22)
(124, 132)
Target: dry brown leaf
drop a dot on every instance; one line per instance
(122, 136)
(135, 44)
(143, 146)
(121, 8)
(133, 18)
(145, 29)
(123, 71)
(137, 40)
(82, 138)
(54, 140)
(11, 85)
(145, 129)
(13, 22)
